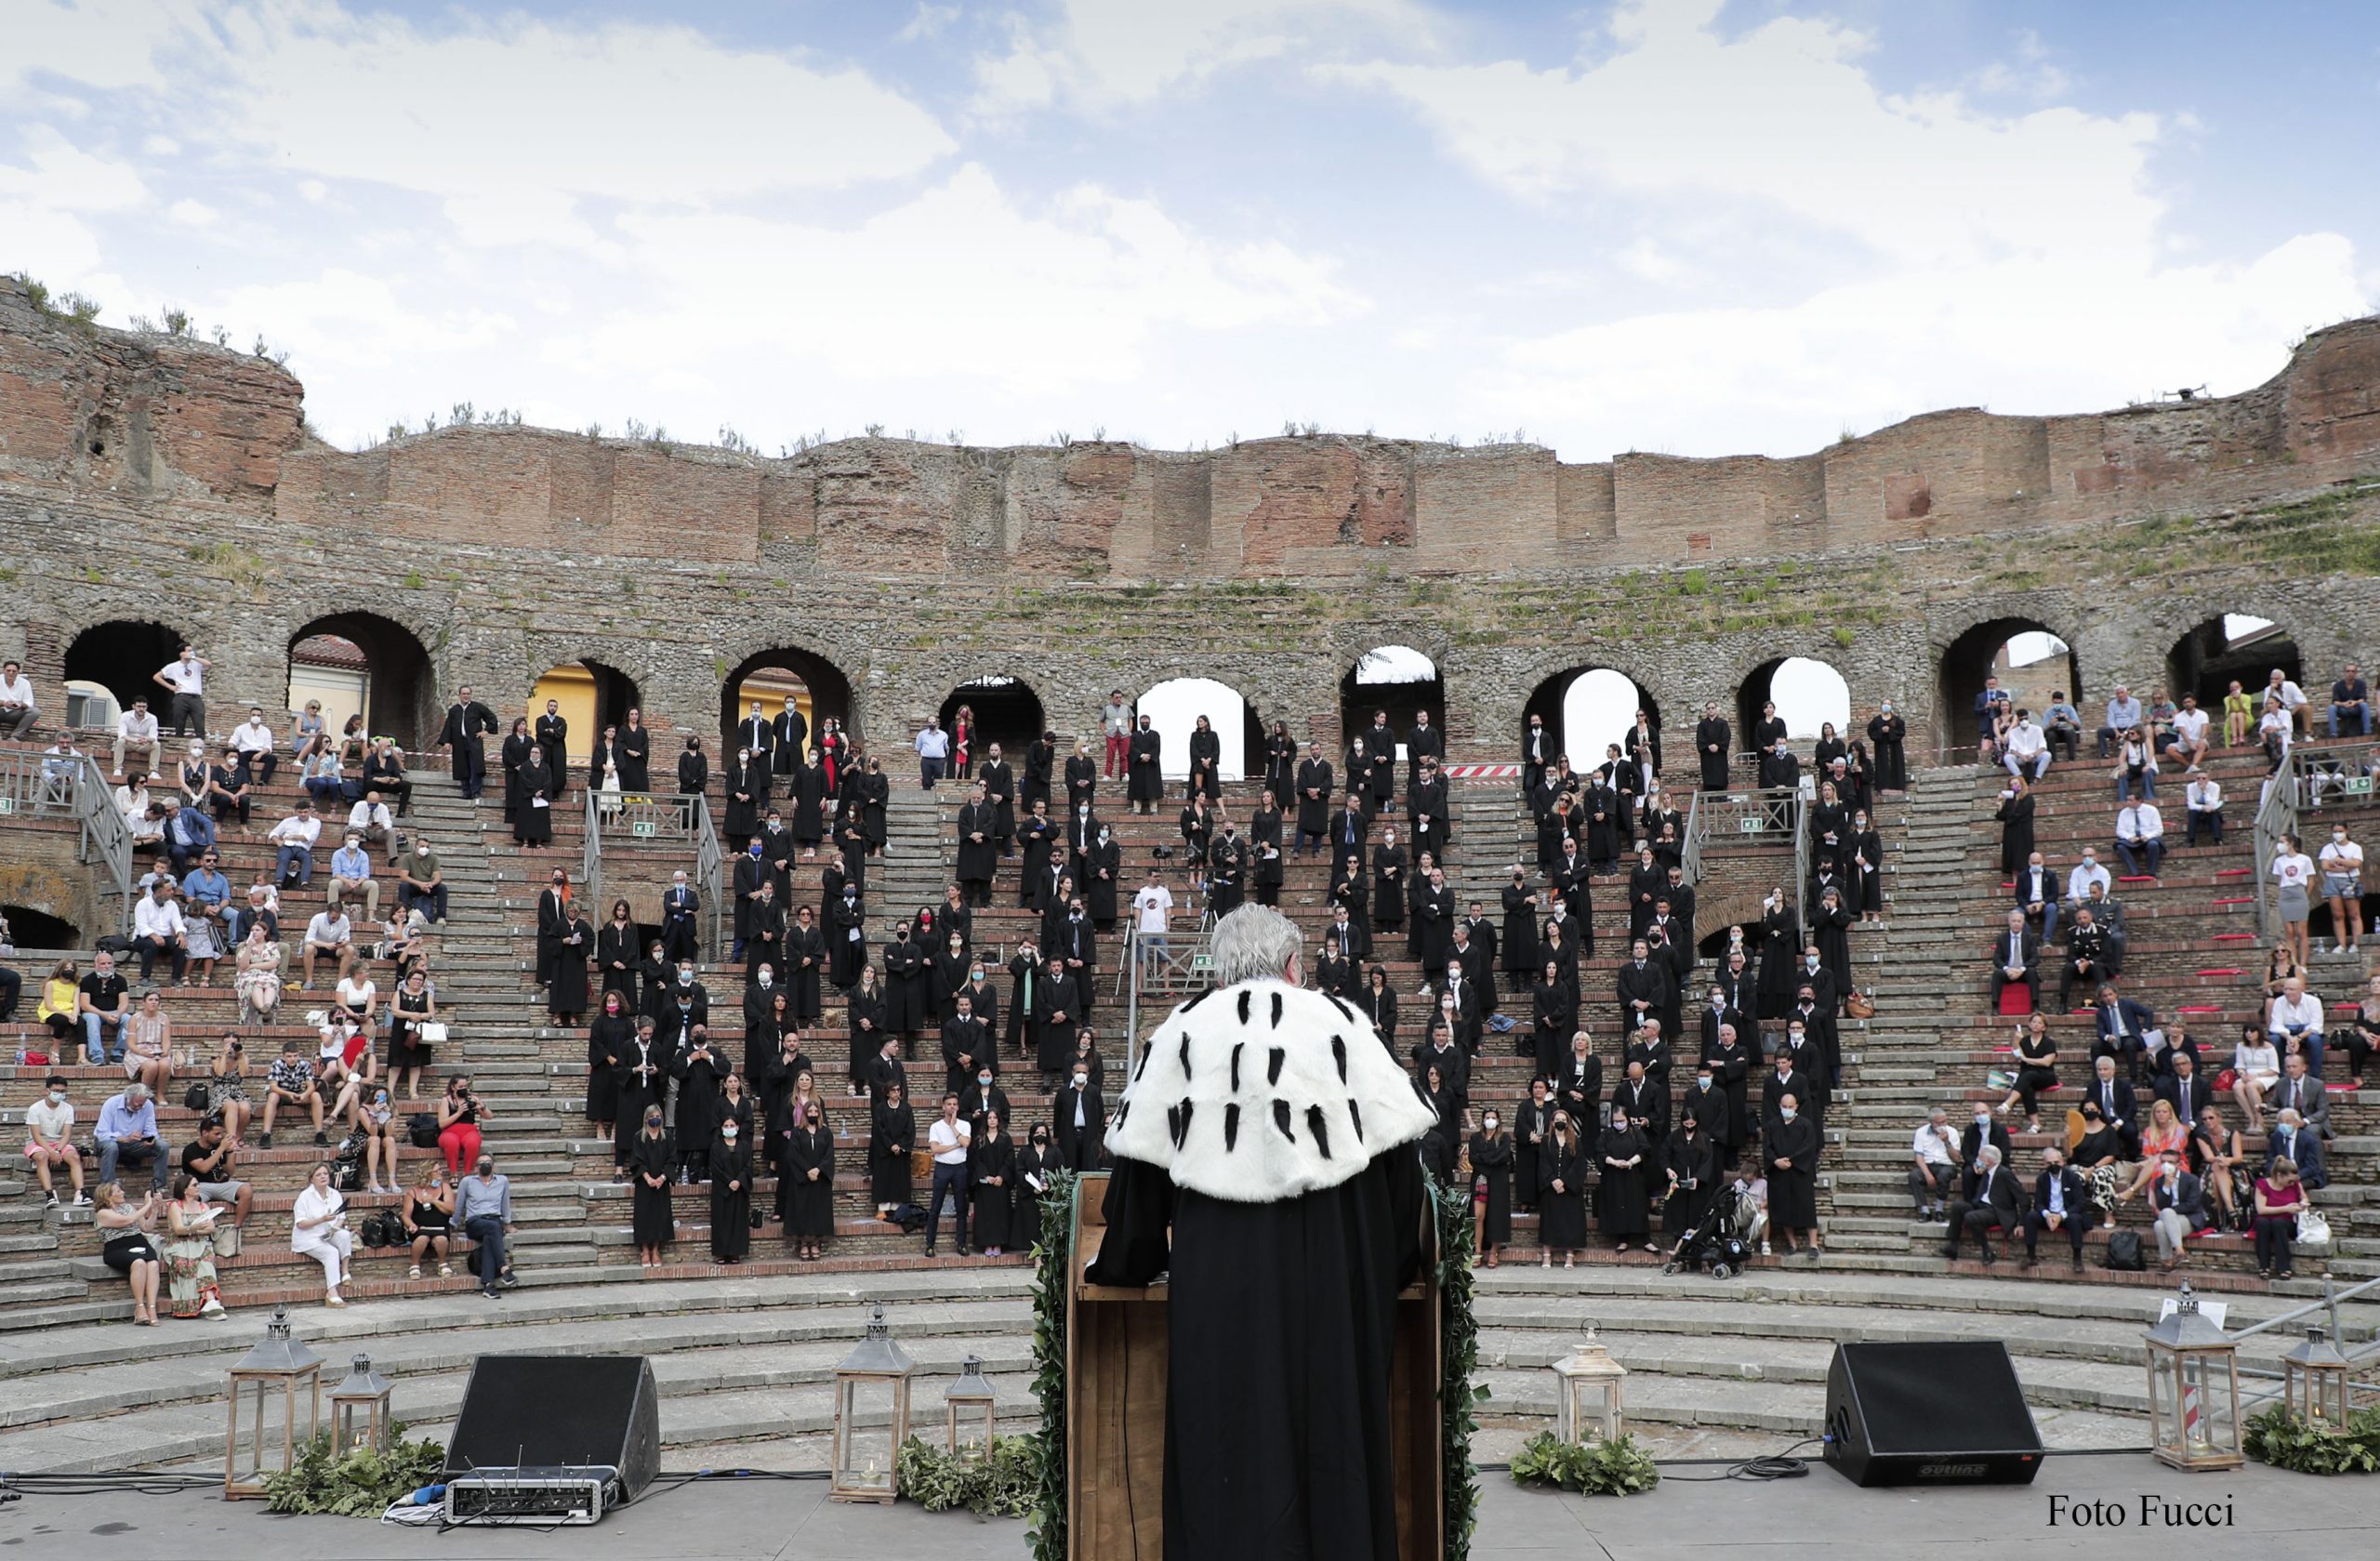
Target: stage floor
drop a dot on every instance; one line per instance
(1819, 1517)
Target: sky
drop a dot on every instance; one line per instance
(1694, 226)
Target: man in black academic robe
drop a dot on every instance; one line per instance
(1314, 785)
(1433, 828)
(1643, 986)
(789, 738)
(1079, 1119)
(978, 847)
(1143, 758)
(1287, 1233)
(1537, 754)
(552, 732)
(1710, 737)
(1000, 792)
(1425, 746)
(467, 722)
(759, 735)
(966, 1045)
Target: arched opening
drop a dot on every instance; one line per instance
(2234, 647)
(1807, 694)
(2032, 665)
(1174, 706)
(362, 662)
(817, 687)
(1006, 712)
(1587, 708)
(1398, 680)
(111, 665)
(37, 929)
(590, 697)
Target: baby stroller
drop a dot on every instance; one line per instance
(1720, 1243)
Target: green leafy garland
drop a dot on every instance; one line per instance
(1458, 1355)
(359, 1483)
(1005, 1485)
(1594, 1468)
(2279, 1438)
(1053, 1268)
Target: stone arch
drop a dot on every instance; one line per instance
(592, 695)
(1760, 687)
(1551, 700)
(1007, 710)
(121, 656)
(1180, 701)
(1970, 655)
(1400, 694)
(817, 686)
(2207, 656)
(398, 691)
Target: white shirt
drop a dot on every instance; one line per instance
(252, 737)
(2287, 1016)
(327, 931)
(298, 829)
(2189, 725)
(2079, 881)
(2141, 823)
(2342, 858)
(155, 919)
(2277, 722)
(47, 1123)
(187, 677)
(2290, 694)
(137, 727)
(1930, 1148)
(313, 1205)
(2025, 739)
(370, 815)
(2206, 795)
(2292, 870)
(15, 692)
(950, 1141)
(1153, 902)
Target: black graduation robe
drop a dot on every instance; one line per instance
(1491, 1164)
(991, 1187)
(890, 1137)
(1314, 797)
(1077, 1148)
(466, 725)
(694, 772)
(1000, 792)
(807, 1206)
(1793, 1189)
(632, 752)
(1143, 758)
(730, 1199)
(1709, 733)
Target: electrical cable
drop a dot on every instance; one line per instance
(1764, 1467)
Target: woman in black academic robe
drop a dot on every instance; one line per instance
(991, 1185)
(1379, 779)
(616, 952)
(693, 769)
(1492, 1180)
(1379, 1003)
(1035, 1164)
(512, 755)
(731, 1193)
(1789, 1160)
(1082, 779)
(1532, 1138)
(1435, 1089)
(1198, 826)
(1555, 947)
(1434, 908)
(632, 751)
(1280, 765)
(2016, 816)
(863, 1008)
(566, 992)
(699, 1068)
(807, 787)
(1621, 1204)
(636, 1083)
(1518, 944)
(1781, 954)
(747, 797)
(1333, 971)
(653, 1165)
(1689, 1162)
(1206, 760)
(1562, 1197)
(908, 1006)
(893, 1133)
(608, 1039)
(806, 1185)
(1553, 1019)
(1867, 869)
(947, 972)
(1041, 836)
(535, 825)
(1830, 930)
(767, 1022)
(875, 795)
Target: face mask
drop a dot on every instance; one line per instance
(58, 1097)
(1786, 1113)
(1812, 961)
(1702, 1081)
(1081, 1080)
(984, 1079)
(728, 1133)
(1983, 1121)
(1491, 1124)
(685, 977)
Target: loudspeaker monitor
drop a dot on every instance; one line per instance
(1951, 1413)
(559, 1411)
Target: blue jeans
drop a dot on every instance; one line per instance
(2363, 711)
(433, 898)
(2148, 787)
(302, 856)
(153, 1152)
(954, 1178)
(2311, 1040)
(97, 1033)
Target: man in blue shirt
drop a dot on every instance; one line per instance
(483, 1208)
(206, 893)
(351, 874)
(2124, 715)
(2062, 724)
(127, 1132)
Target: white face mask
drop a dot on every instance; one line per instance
(1786, 1113)
(1491, 1124)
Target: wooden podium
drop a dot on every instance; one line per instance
(1116, 1397)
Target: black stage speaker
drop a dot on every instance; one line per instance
(560, 1412)
(1929, 1415)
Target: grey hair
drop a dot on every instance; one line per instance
(1989, 1152)
(1254, 943)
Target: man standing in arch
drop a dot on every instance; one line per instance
(1276, 1136)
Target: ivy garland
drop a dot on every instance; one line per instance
(1054, 1267)
(1593, 1468)
(358, 1483)
(1458, 1355)
(1005, 1484)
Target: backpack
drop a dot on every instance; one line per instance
(194, 1098)
(421, 1130)
(2124, 1252)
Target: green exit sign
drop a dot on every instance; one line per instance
(1202, 961)
(643, 829)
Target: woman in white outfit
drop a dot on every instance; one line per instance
(318, 1230)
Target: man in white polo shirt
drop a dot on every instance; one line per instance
(1151, 907)
(948, 1139)
(136, 729)
(185, 678)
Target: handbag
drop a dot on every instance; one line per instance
(2313, 1229)
(2124, 1252)
(430, 1032)
(227, 1241)
(2225, 1081)
(421, 1130)
(194, 1098)
(1860, 1005)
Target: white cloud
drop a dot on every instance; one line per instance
(927, 22)
(192, 214)
(343, 320)
(62, 177)
(1129, 51)
(103, 44)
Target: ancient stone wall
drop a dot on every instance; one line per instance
(155, 479)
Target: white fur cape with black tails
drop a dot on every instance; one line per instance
(1264, 1091)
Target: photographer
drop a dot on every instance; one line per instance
(459, 1112)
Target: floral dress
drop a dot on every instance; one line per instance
(189, 1260)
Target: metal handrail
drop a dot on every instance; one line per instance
(1690, 858)
(72, 786)
(1753, 814)
(2329, 1305)
(1801, 862)
(2276, 817)
(590, 855)
(710, 866)
(2338, 773)
(1183, 968)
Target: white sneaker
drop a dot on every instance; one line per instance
(81, 1199)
